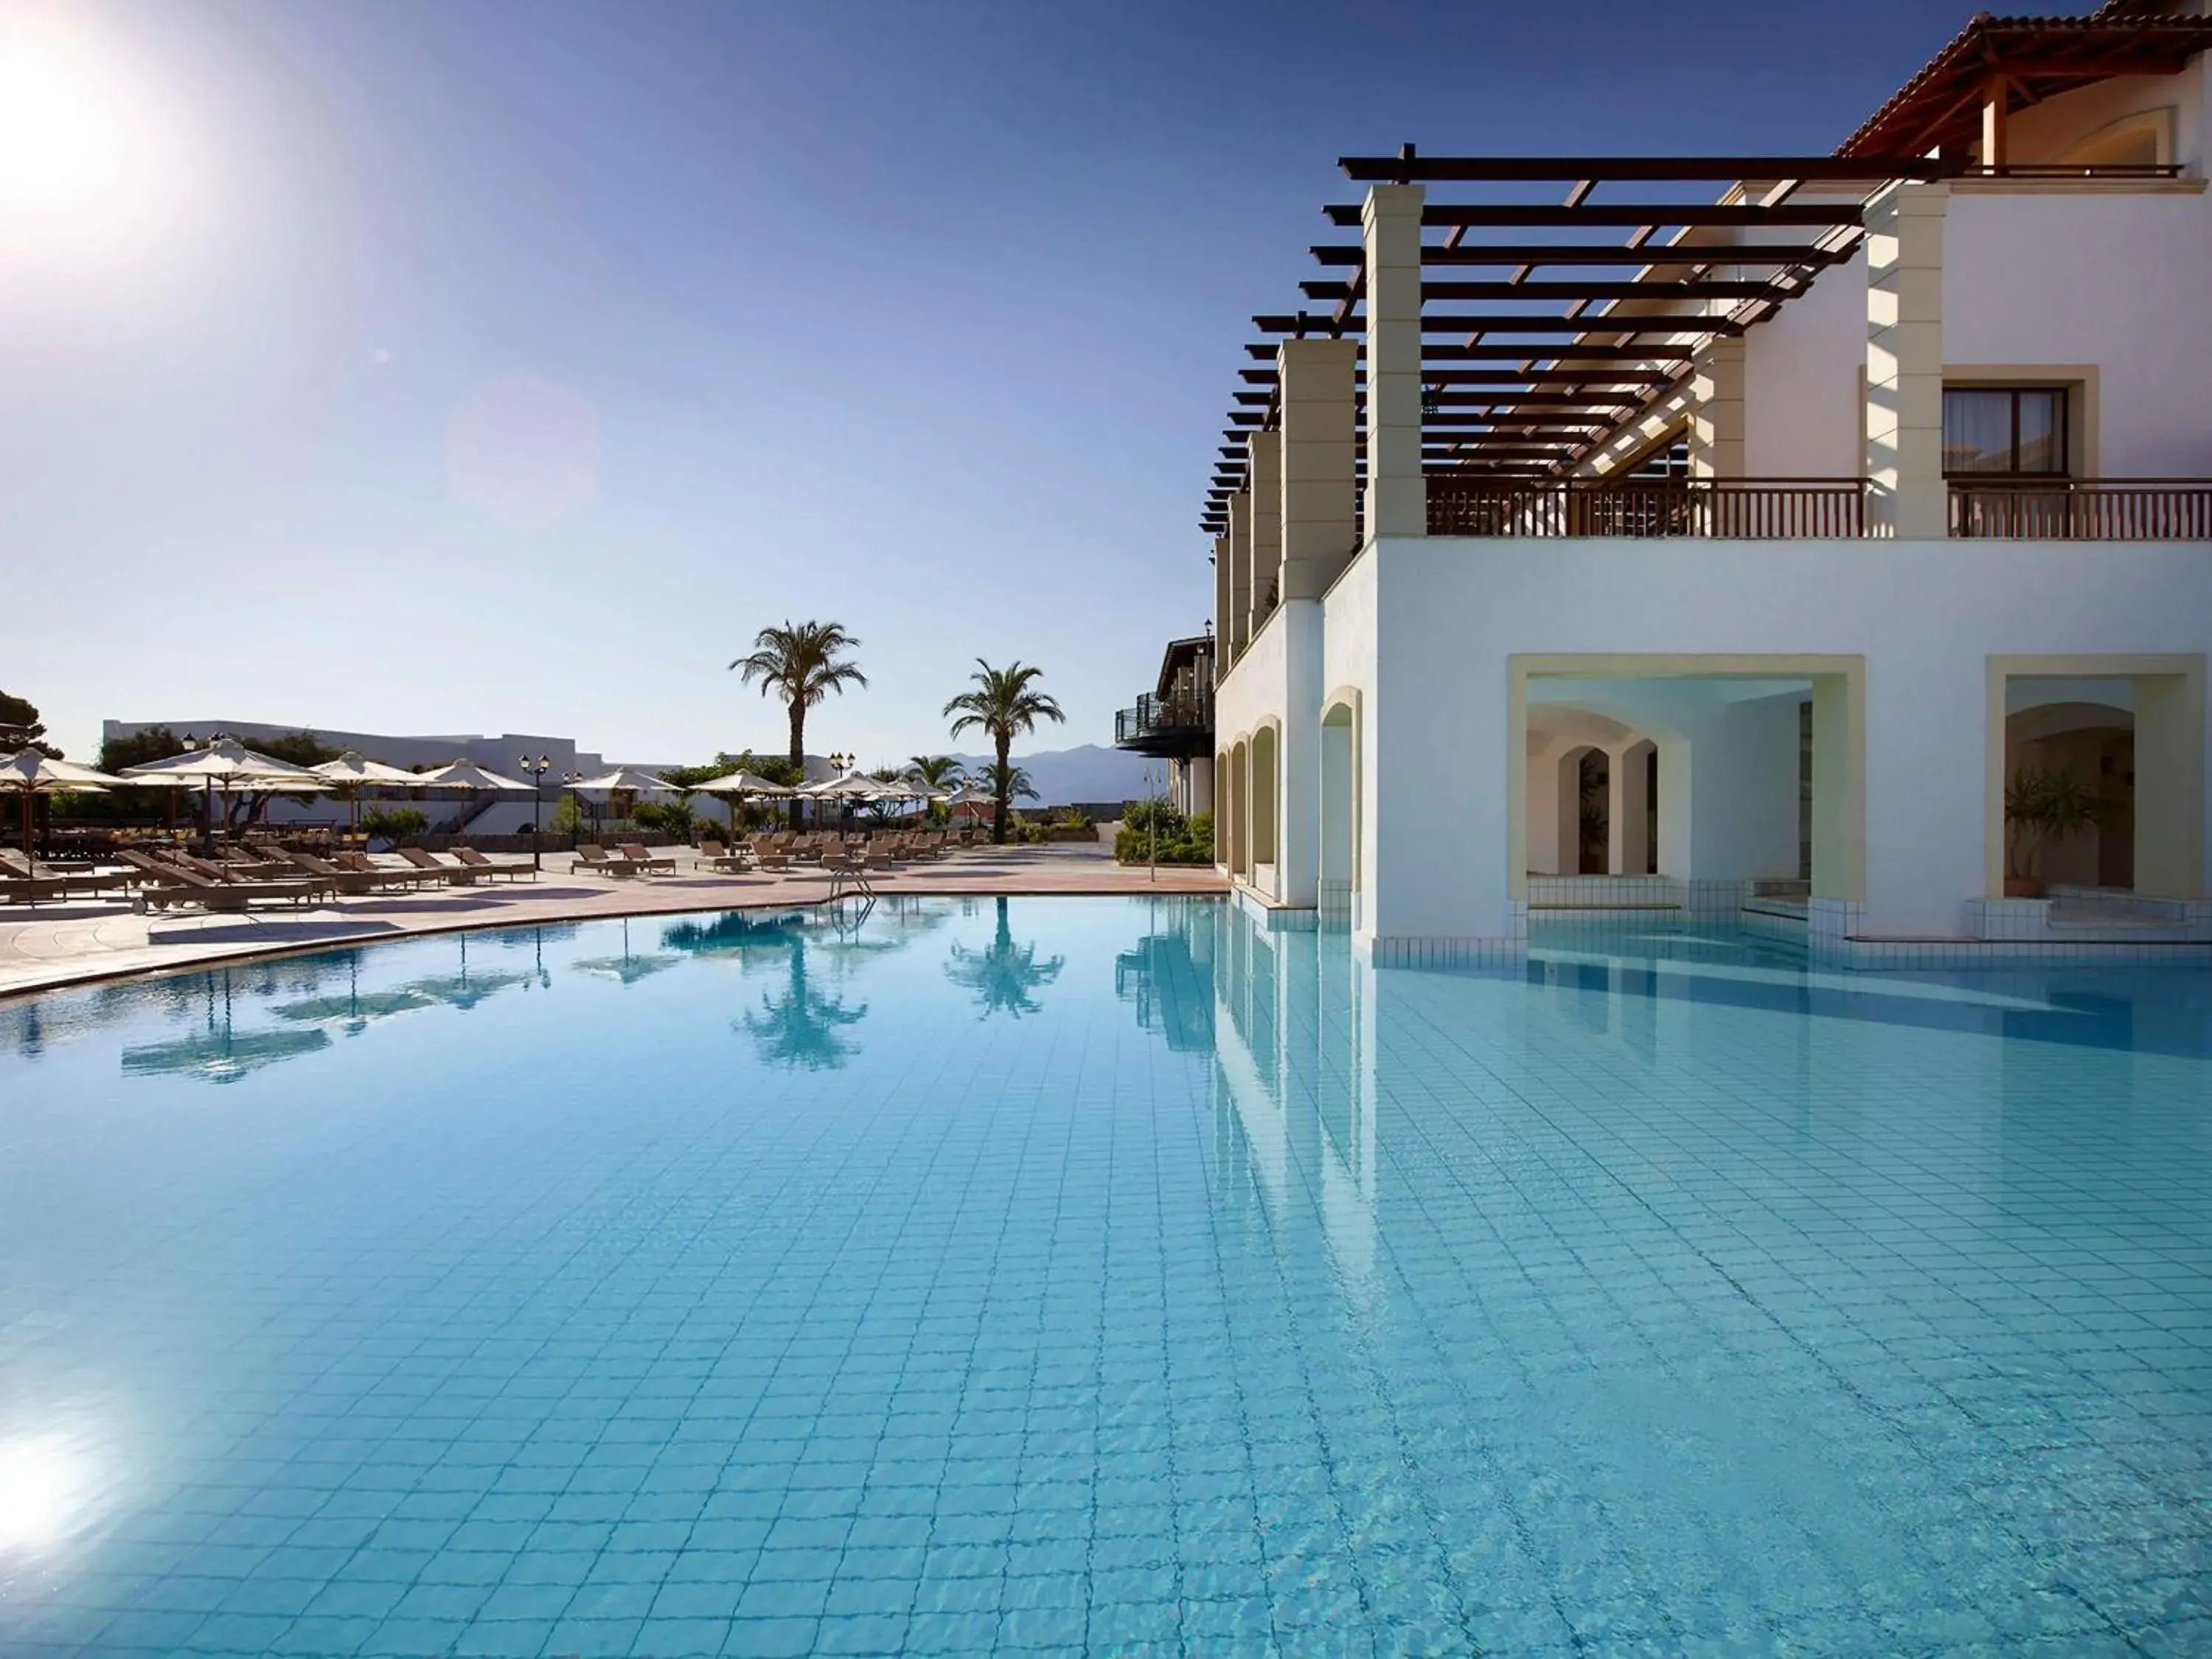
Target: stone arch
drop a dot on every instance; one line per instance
(2094, 743)
(1584, 781)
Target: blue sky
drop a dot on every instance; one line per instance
(487, 366)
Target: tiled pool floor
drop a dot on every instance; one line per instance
(1102, 1276)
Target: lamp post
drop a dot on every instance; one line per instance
(843, 763)
(535, 770)
(193, 744)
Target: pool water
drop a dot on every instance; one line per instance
(1102, 1276)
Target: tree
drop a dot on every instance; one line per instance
(155, 743)
(21, 728)
(935, 774)
(938, 774)
(1005, 705)
(802, 663)
(301, 748)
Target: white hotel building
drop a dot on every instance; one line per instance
(1721, 535)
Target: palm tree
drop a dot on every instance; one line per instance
(940, 773)
(802, 663)
(934, 775)
(1004, 705)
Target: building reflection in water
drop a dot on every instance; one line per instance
(1292, 1021)
(1169, 973)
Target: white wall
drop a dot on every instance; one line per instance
(2118, 281)
(1803, 386)
(1924, 616)
(1349, 612)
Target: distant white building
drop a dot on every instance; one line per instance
(1726, 534)
(489, 815)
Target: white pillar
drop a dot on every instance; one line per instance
(1716, 418)
(1222, 625)
(1201, 783)
(1267, 592)
(1397, 498)
(1627, 816)
(1319, 489)
(1904, 362)
(1236, 627)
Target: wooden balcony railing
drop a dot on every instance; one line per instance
(1769, 509)
(2083, 509)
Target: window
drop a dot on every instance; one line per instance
(2017, 430)
(1666, 463)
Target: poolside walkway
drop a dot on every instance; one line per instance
(69, 944)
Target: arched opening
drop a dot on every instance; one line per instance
(1240, 810)
(1584, 811)
(1339, 808)
(2070, 795)
(1265, 785)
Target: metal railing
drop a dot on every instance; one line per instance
(1155, 715)
(2083, 509)
(1751, 508)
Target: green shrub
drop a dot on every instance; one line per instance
(672, 818)
(394, 823)
(1181, 840)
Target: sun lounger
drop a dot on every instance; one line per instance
(635, 853)
(455, 875)
(717, 857)
(39, 880)
(346, 880)
(483, 866)
(361, 864)
(594, 860)
(179, 883)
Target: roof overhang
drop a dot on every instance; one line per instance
(2027, 60)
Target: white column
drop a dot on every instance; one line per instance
(1716, 418)
(1266, 452)
(1904, 362)
(1627, 811)
(1319, 489)
(1236, 626)
(1390, 226)
(1222, 625)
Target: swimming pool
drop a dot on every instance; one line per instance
(1102, 1275)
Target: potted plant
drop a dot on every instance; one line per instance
(2040, 806)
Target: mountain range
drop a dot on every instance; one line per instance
(1090, 773)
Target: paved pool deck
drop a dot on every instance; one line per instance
(75, 943)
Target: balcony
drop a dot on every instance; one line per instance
(1179, 727)
(1753, 509)
(2083, 509)
(1788, 509)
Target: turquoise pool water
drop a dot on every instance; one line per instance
(1102, 1276)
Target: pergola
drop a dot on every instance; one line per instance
(1551, 323)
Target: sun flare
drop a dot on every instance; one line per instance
(65, 135)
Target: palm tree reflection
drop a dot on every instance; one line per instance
(801, 1026)
(1003, 974)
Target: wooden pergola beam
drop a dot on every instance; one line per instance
(1599, 169)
